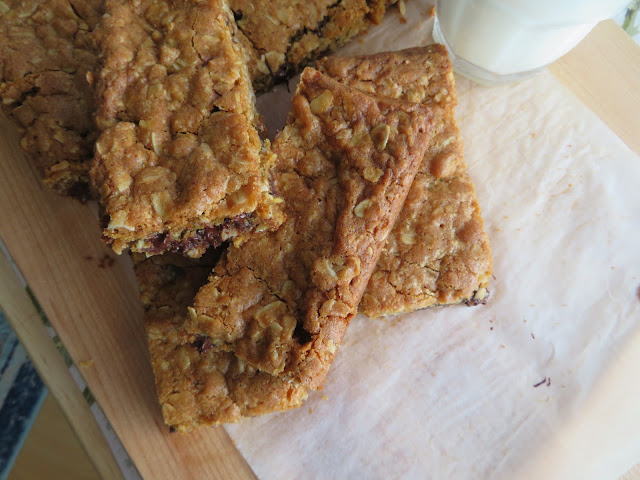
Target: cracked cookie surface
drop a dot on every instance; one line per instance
(282, 36)
(46, 51)
(197, 383)
(438, 252)
(179, 164)
(345, 161)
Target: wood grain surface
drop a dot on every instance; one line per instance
(26, 322)
(604, 72)
(96, 312)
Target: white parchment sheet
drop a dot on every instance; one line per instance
(449, 393)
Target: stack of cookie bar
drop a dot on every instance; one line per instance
(252, 258)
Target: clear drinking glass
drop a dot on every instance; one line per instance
(500, 41)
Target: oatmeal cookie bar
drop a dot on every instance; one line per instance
(46, 52)
(283, 36)
(179, 164)
(345, 161)
(438, 252)
(197, 383)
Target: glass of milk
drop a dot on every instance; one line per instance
(500, 41)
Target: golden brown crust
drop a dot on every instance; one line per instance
(198, 384)
(438, 252)
(179, 152)
(46, 52)
(283, 36)
(284, 299)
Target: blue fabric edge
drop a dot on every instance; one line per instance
(37, 397)
(30, 397)
(25, 433)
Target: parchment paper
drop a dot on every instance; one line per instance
(449, 393)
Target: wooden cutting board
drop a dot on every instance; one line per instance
(54, 242)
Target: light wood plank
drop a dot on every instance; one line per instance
(604, 72)
(26, 322)
(52, 450)
(97, 314)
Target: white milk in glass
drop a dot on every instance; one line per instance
(502, 40)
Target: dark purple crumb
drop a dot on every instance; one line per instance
(541, 382)
(203, 344)
(473, 301)
(106, 261)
